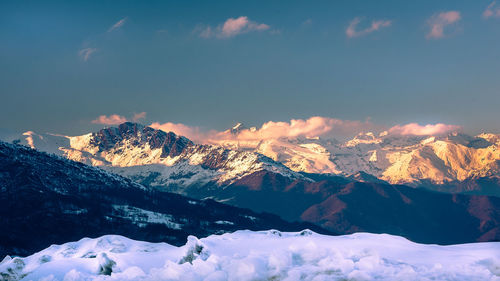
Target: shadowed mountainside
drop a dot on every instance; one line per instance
(45, 199)
(418, 214)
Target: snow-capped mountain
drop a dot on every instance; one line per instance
(157, 157)
(263, 255)
(45, 199)
(165, 159)
(335, 203)
(393, 158)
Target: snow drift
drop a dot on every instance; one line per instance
(264, 255)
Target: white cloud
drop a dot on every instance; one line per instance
(375, 26)
(438, 22)
(118, 24)
(86, 53)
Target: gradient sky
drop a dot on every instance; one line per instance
(64, 63)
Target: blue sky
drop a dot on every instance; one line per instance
(64, 63)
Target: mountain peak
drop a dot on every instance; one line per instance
(237, 128)
(363, 138)
(138, 135)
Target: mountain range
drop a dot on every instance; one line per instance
(340, 202)
(456, 161)
(164, 158)
(397, 159)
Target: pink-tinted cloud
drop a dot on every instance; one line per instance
(86, 53)
(375, 26)
(426, 130)
(138, 116)
(312, 127)
(113, 119)
(235, 26)
(232, 27)
(492, 11)
(192, 133)
(439, 22)
(118, 24)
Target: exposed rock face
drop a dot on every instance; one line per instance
(137, 135)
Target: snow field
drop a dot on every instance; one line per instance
(263, 255)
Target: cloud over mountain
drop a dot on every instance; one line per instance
(307, 128)
(423, 130)
(138, 116)
(316, 126)
(113, 119)
(192, 133)
(312, 127)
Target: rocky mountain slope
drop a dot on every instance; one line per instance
(45, 199)
(161, 158)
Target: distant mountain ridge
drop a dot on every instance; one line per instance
(396, 159)
(410, 160)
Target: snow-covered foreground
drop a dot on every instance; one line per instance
(264, 255)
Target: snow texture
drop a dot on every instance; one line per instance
(264, 255)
